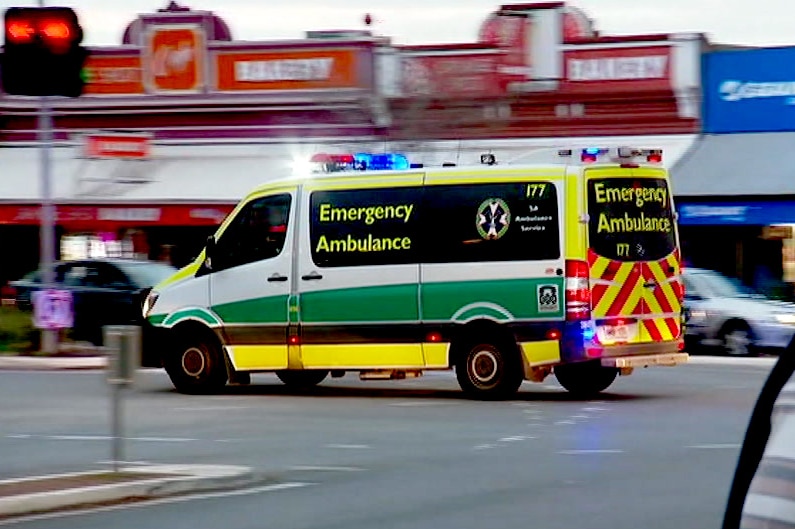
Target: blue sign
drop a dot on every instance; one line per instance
(736, 213)
(749, 90)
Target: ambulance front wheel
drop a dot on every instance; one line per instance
(585, 380)
(196, 364)
(489, 370)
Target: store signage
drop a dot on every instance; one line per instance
(117, 146)
(766, 213)
(457, 74)
(114, 75)
(288, 70)
(607, 69)
(174, 59)
(102, 217)
(749, 90)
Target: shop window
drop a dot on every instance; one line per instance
(365, 227)
(258, 232)
(490, 222)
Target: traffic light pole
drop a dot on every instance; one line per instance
(49, 338)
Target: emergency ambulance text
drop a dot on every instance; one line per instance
(368, 215)
(640, 195)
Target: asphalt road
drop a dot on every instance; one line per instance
(657, 452)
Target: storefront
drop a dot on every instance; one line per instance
(736, 186)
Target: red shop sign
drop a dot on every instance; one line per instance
(90, 217)
(608, 69)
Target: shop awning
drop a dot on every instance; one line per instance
(737, 165)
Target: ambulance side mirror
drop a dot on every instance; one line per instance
(209, 252)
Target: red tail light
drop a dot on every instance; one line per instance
(578, 291)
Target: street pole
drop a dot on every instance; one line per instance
(49, 338)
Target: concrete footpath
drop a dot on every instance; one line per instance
(33, 363)
(43, 494)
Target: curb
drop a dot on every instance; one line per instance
(186, 479)
(33, 363)
(731, 361)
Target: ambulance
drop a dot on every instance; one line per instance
(371, 265)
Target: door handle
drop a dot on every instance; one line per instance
(277, 277)
(312, 276)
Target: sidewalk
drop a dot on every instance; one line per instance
(41, 494)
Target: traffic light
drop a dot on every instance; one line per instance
(42, 55)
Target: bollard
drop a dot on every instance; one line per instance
(122, 344)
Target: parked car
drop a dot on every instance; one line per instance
(104, 292)
(725, 315)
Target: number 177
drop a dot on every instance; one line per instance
(536, 190)
(622, 249)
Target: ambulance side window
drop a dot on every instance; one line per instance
(257, 232)
(361, 227)
(490, 222)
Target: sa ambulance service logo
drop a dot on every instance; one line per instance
(493, 218)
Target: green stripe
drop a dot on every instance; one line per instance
(191, 313)
(157, 319)
(394, 303)
(265, 310)
(517, 297)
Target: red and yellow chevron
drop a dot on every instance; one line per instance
(649, 291)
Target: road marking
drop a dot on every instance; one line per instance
(516, 438)
(348, 447)
(213, 408)
(133, 463)
(595, 408)
(310, 468)
(726, 446)
(563, 422)
(484, 447)
(579, 452)
(160, 501)
(416, 403)
(101, 438)
(580, 417)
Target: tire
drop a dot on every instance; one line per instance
(302, 379)
(736, 340)
(489, 371)
(197, 366)
(585, 380)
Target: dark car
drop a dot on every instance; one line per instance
(104, 292)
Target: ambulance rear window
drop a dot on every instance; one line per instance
(631, 218)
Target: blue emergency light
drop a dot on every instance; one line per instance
(361, 162)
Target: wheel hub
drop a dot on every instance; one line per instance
(193, 362)
(483, 366)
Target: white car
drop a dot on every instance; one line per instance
(723, 313)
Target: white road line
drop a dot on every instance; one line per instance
(213, 408)
(559, 423)
(161, 501)
(726, 446)
(132, 463)
(595, 408)
(348, 447)
(100, 438)
(516, 438)
(319, 468)
(580, 417)
(579, 452)
(416, 404)
(484, 447)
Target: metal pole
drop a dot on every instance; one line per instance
(49, 338)
(117, 435)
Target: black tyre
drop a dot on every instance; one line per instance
(736, 339)
(302, 379)
(585, 380)
(489, 371)
(197, 366)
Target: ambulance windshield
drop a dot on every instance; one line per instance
(631, 218)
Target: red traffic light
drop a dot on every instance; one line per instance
(51, 26)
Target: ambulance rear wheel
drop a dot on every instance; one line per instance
(196, 365)
(585, 380)
(489, 371)
(302, 379)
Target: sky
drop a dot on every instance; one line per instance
(741, 22)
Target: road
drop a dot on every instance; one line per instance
(657, 452)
